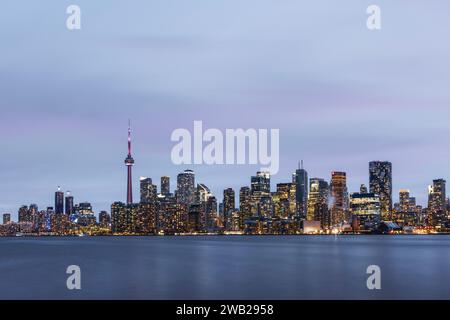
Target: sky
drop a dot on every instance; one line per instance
(340, 94)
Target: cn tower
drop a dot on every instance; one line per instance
(129, 162)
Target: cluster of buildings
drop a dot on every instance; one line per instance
(302, 205)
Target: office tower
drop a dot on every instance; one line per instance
(261, 183)
(6, 218)
(148, 190)
(339, 198)
(380, 177)
(245, 206)
(69, 204)
(318, 202)
(285, 200)
(186, 187)
(301, 182)
(229, 205)
(212, 221)
(119, 219)
(24, 214)
(437, 209)
(365, 209)
(59, 201)
(165, 186)
(195, 219)
(104, 219)
(404, 198)
(129, 163)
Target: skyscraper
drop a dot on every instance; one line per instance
(165, 186)
(59, 201)
(404, 198)
(186, 187)
(437, 209)
(261, 183)
(301, 182)
(380, 178)
(148, 190)
(365, 211)
(339, 198)
(129, 162)
(6, 218)
(318, 202)
(229, 205)
(69, 204)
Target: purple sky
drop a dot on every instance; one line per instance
(340, 94)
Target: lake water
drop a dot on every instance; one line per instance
(220, 267)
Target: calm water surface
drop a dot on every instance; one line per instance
(297, 267)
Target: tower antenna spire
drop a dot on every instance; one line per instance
(129, 162)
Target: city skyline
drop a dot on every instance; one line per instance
(379, 174)
(341, 96)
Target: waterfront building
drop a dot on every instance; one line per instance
(437, 205)
(148, 190)
(6, 218)
(186, 188)
(165, 186)
(380, 177)
(301, 182)
(104, 219)
(339, 198)
(69, 206)
(365, 209)
(229, 206)
(59, 201)
(318, 202)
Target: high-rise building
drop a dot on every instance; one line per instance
(318, 202)
(245, 206)
(301, 182)
(380, 177)
(69, 204)
(285, 201)
(104, 219)
(24, 214)
(365, 209)
(229, 206)
(339, 198)
(437, 208)
(129, 163)
(148, 190)
(404, 198)
(6, 218)
(186, 187)
(261, 183)
(165, 185)
(363, 189)
(212, 219)
(59, 201)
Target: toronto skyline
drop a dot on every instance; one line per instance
(64, 96)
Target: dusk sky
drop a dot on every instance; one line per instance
(340, 94)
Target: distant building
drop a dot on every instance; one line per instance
(318, 202)
(229, 206)
(6, 218)
(148, 190)
(165, 185)
(261, 183)
(186, 187)
(300, 178)
(437, 206)
(104, 219)
(380, 177)
(339, 198)
(365, 209)
(59, 201)
(69, 204)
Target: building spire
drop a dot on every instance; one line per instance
(129, 162)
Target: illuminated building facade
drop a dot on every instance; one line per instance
(318, 202)
(339, 198)
(365, 209)
(437, 208)
(186, 187)
(300, 179)
(380, 178)
(229, 206)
